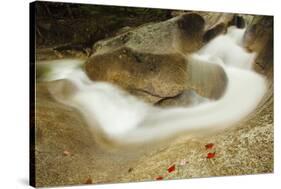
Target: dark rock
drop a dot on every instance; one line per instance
(213, 32)
(191, 31)
(238, 21)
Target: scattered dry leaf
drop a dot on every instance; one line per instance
(159, 178)
(211, 155)
(172, 168)
(209, 146)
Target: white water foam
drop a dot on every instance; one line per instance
(126, 119)
(229, 49)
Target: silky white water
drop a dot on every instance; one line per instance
(124, 118)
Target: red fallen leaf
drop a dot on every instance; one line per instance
(172, 168)
(160, 178)
(211, 155)
(89, 181)
(209, 146)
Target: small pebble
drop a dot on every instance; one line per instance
(130, 170)
(66, 153)
(183, 162)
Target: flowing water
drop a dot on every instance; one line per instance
(122, 117)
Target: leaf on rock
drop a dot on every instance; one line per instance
(209, 146)
(159, 178)
(172, 168)
(211, 155)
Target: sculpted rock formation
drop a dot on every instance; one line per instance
(259, 38)
(151, 61)
(157, 75)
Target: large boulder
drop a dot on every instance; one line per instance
(151, 61)
(143, 74)
(259, 38)
(216, 23)
(183, 33)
